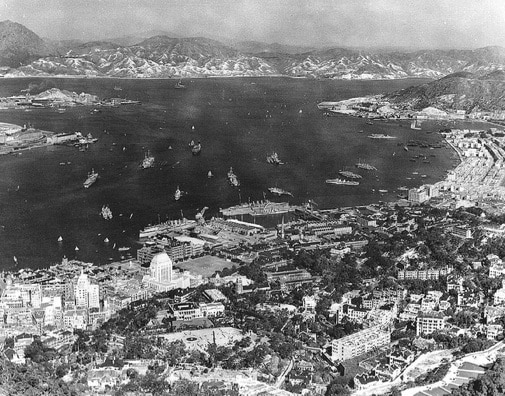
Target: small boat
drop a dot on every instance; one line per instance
(232, 178)
(274, 159)
(60, 239)
(92, 177)
(178, 194)
(383, 191)
(209, 174)
(180, 85)
(123, 248)
(117, 88)
(279, 191)
(405, 148)
(106, 213)
(76, 249)
(148, 161)
(106, 240)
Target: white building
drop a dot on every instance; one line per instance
(359, 343)
(162, 277)
(87, 294)
(429, 322)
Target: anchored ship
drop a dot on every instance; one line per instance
(279, 191)
(178, 194)
(148, 161)
(363, 165)
(350, 175)
(232, 178)
(342, 182)
(259, 208)
(106, 213)
(274, 159)
(381, 136)
(196, 148)
(174, 225)
(92, 177)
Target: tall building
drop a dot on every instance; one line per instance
(87, 294)
(359, 343)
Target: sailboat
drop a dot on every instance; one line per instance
(60, 239)
(209, 174)
(415, 125)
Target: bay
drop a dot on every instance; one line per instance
(239, 121)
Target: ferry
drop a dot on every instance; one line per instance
(342, 182)
(92, 177)
(148, 161)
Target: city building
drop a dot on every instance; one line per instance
(359, 343)
(427, 323)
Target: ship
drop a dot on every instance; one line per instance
(148, 161)
(123, 248)
(232, 178)
(106, 213)
(92, 177)
(174, 225)
(258, 208)
(363, 165)
(274, 159)
(196, 148)
(117, 88)
(381, 136)
(178, 194)
(342, 182)
(415, 125)
(350, 175)
(279, 191)
(179, 85)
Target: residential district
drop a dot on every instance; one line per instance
(404, 297)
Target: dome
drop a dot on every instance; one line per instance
(161, 259)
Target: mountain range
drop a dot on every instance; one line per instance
(23, 53)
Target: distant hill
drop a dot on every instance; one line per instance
(163, 55)
(19, 45)
(134, 39)
(458, 91)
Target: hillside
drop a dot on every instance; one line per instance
(19, 45)
(458, 91)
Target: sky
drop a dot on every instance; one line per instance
(347, 23)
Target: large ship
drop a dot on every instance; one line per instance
(350, 175)
(232, 178)
(381, 136)
(174, 225)
(274, 159)
(259, 208)
(279, 191)
(363, 165)
(342, 182)
(148, 161)
(92, 177)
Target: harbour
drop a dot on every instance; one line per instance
(230, 120)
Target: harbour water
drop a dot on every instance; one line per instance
(238, 122)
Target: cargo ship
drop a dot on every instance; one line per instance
(259, 208)
(342, 182)
(92, 177)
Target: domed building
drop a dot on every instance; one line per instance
(162, 277)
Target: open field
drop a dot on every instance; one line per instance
(205, 266)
